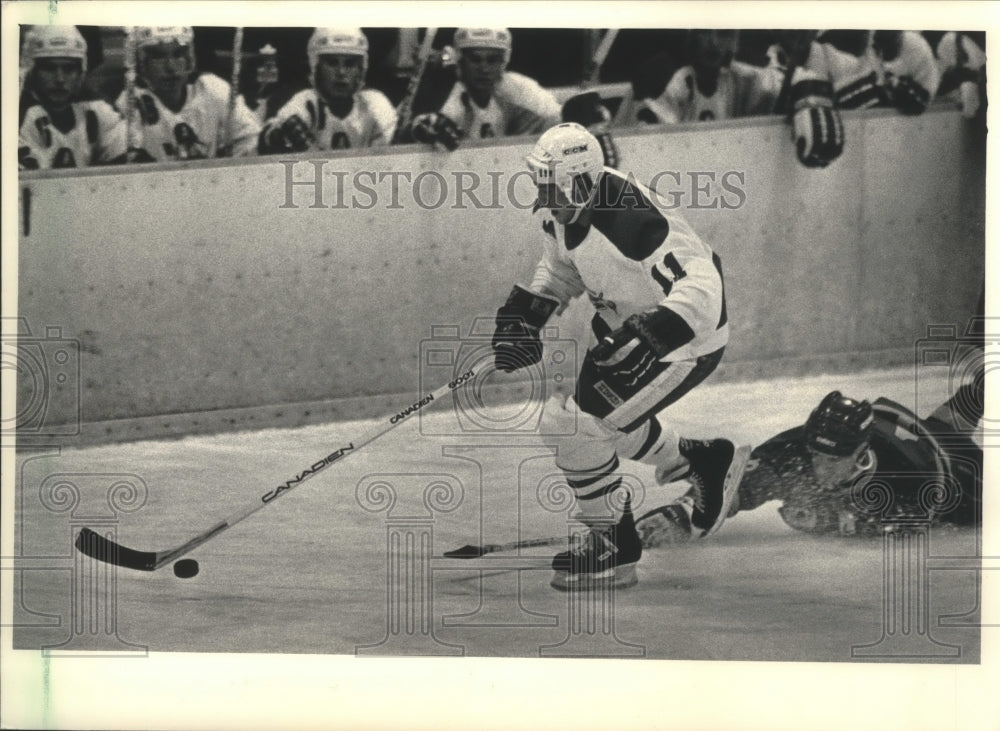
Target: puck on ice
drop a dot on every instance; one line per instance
(186, 568)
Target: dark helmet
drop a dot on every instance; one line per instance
(839, 425)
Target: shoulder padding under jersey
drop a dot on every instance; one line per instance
(627, 218)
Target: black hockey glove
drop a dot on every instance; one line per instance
(819, 136)
(816, 125)
(626, 354)
(908, 96)
(588, 109)
(293, 135)
(135, 155)
(516, 343)
(435, 127)
(25, 161)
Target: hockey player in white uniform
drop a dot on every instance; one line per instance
(57, 128)
(714, 86)
(336, 113)
(659, 329)
(487, 100)
(909, 71)
(961, 64)
(891, 69)
(180, 114)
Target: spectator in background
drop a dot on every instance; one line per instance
(962, 65)
(59, 127)
(486, 99)
(180, 113)
(266, 93)
(336, 113)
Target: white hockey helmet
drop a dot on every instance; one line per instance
(156, 35)
(498, 38)
(570, 158)
(55, 41)
(346, 41)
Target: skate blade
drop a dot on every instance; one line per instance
(734, 475)
(621, 577)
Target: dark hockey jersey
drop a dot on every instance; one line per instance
(916, 471)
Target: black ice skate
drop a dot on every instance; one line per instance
(717, 468)
(607, 556)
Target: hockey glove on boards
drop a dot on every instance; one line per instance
(588, 109)
(435, 127)
(816, 125)
(908, 96)
(516, 342)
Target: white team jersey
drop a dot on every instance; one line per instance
(632, 260)
(97, 136)
(857, 79)
(742, 90)
(197, 129)
(952, 54)
(916, 60)
(519, 106)
(371, 121)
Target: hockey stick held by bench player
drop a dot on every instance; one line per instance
(102, 548)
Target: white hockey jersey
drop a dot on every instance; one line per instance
(916, 60)
(635, 255)
(97, 136)
(197, 130)
(859, 81)
(519, 106)
(370, 123)
(742, 90)
(960, 62)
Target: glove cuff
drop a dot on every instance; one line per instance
(811, 93)
(534, 308)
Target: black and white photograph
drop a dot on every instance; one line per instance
(364, 374)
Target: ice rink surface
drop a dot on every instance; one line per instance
(315, 572)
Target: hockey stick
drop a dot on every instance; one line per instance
(225, 150)
(471, 551)
(102, 548)
(404, 112)
(600, 56)
(131, 140)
